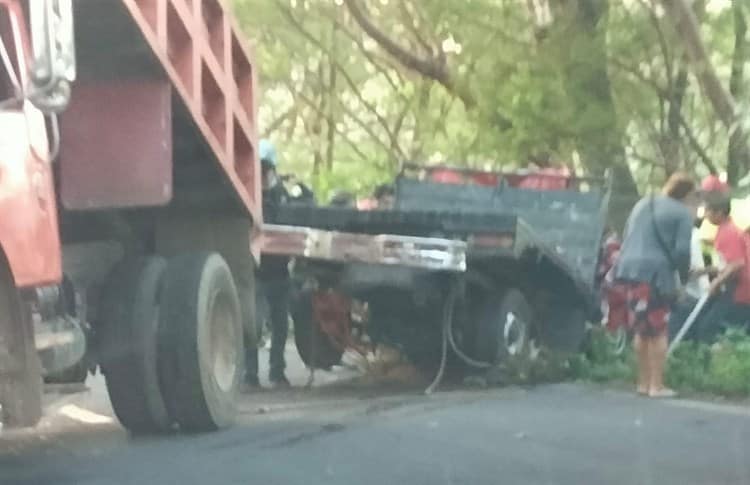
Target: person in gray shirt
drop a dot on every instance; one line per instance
(654, 260)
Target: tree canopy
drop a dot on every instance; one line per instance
(351, 88)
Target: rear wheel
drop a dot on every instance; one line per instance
(315, 348)
(504, 327)
(128, 337)
(564, 329)
(201, 342)
(20, 368)
(74, 375)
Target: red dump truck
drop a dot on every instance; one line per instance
(129, 201)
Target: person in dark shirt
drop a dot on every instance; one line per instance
(272, 279)
(343, 198)
(385, 195)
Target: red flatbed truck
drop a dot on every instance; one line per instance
(127, 227)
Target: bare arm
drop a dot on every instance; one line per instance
(725, 274)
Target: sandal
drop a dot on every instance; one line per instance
(664, 393)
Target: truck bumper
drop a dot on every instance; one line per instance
(427, 253)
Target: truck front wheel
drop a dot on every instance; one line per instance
(201, 342)
(504, 327)
(128, 338)
(20, 369)
(564, 329)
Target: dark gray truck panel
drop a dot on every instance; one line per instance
(570, 223)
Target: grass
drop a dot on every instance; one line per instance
(721, 369)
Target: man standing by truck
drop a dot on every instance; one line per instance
(273, 279)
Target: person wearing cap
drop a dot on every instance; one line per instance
(712, 184)
(730, 289)
(273, 282)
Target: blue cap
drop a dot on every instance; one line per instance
(267, 152)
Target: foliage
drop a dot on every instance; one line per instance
(722, 368)
(601, 84)
(687, 368)
(601, 362)
(729, 368)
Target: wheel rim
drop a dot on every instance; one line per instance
(223, 352)
(514, 334)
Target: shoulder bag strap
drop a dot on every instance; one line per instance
(659, 237)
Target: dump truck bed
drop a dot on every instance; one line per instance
(197, 52)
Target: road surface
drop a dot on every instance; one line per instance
(553, 434)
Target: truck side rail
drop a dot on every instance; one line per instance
(435, 254)
(497, 177)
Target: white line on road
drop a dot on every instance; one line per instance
(84, 415)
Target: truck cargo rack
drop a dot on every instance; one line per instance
(197, 47)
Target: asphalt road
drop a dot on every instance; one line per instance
(555, 434)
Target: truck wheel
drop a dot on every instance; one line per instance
(201, 342)
(128, 339)
(75, 375)
(20, 368)
(314, 347)
(565, 329)
(504, 328)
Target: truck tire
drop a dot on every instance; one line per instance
(504, 327)
(201, 342)
(564, 329)
(314, 347)
(74, 375)
(20, 368)
(129, 347)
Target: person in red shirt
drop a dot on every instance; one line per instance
(713, 183)
(730, 289)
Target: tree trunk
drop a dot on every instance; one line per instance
(332, 100)
(721, 99)
(671, 143)
(580, 34)
(737, 155)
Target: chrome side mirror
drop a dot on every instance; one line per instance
(53, 66)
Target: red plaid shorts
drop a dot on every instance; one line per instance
(648, 312)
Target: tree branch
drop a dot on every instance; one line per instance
(347, 78)
(664, 94)
(278, 121)
(433, 68)
(738, 161)
(696, 146)
(312, 105)
(688, 28)
(656, 22)
(383, 70)
(409, 21)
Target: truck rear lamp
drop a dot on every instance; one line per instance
(491, 241)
